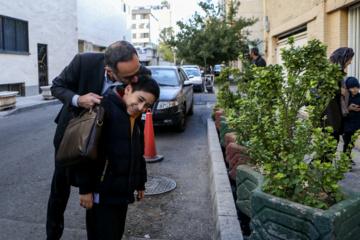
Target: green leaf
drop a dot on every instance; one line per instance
(298, 189)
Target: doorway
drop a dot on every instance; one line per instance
(42, 66)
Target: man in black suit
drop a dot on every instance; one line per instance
(257, 59)
(80, 86)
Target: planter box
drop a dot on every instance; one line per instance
(46, 93)
(7, 99)
(246, 181)
(278, 218)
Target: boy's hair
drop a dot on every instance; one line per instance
(147, 84)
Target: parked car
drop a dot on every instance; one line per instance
(217, 69)
(176, 97)
(194, 74)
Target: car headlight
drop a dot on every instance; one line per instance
(167, 104)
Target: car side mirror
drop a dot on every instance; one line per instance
(187, 83)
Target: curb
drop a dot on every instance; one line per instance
(227, 226)
(31, 107)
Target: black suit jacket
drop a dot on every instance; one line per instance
(83, 75)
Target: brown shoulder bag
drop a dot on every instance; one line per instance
(80, 141)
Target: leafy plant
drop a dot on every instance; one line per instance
(265, 115)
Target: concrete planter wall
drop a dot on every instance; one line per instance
(46, 93)
(278, 218)
(224, 129)
(234, 155)
(246, 181)
(7, 99)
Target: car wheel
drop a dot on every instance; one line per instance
(191, 110)
(181, 126)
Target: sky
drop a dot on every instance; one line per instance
(182, 9)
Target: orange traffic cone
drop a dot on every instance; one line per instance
(150, 149)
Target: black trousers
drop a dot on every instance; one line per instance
(104, 222)
(59, 196)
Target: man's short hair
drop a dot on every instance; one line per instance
(255, 50)
(120, 51)
(147, 84)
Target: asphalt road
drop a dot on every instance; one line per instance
(26, 167)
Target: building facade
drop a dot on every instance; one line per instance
(335, 23)
(39, 38)
(251, 9)
(101, 23)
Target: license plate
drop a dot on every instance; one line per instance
(143, 116)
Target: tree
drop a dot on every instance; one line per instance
(165, 50)
(216, 37)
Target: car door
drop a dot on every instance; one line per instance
(186, 88)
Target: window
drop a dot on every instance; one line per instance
(144, 35)
(134, 26)
(354, 33)
(145, 16)
(141, 26)
(134, 17)
(14, 35)
(134, 36)
(124, 7)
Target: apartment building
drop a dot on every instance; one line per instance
(39, 38)
(335, 23)
(145, 35)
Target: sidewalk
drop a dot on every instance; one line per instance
(28, 103)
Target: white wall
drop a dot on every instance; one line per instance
(103, 22)
(49, 22)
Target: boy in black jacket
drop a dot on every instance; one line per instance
(107, 186)
(352, 121)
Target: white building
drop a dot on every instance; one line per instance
(39, 38)
(145, 28)
(101, 23)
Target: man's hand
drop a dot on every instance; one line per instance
(86, 200)
(88, 100)
(140, 195)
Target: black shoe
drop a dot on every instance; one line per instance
(352, 162)
(350, 169)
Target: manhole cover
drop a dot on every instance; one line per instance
(158, 185)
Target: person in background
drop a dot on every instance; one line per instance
(107, 185)
(337, 108)
(81, 85)
(256, 58)
(352, 121)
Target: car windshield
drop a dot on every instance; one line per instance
(165, 77)
(192, 71)
(217, 67)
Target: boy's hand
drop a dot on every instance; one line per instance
(354, 107)
(140, 195)
(86, 200)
